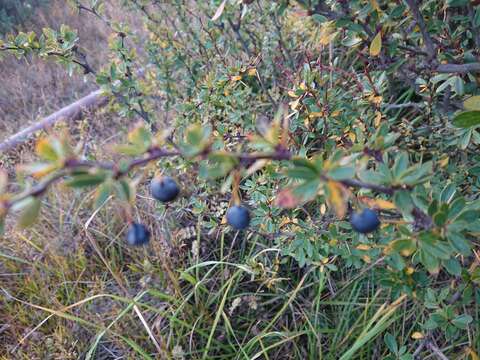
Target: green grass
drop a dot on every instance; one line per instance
(70, 288)
(233, 303)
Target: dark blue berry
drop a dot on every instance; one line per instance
(137, 235)
(365, 222)
(238, 217)
(164, 189)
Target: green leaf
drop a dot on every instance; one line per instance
(372, 177)
(453, 266)
(303, 169)
(140, 137)
(307, 190)
(319, 18)
(458, 242)
(464, 140)
(30, 209)
(103, 192)
(129, 149)
(196, 139)
(435, 247)
(85, 180)
(462, 321)
(430, 262)
(391, 343)
(405, 247)
(400, 165)
(218, 165)
(430, 324)
(457, 3)
(341, 173)
(440, 218)
(417, 174)
(456, 207)
(403, 201)
(124, 190)
(476, 19)
(467, 119)
(447, 194)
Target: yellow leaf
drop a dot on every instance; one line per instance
(327, 32)
(252, 72)
(375, 6)
(236, 78)
(377, 203)
(472, 104)
(363, 247)
(292, 94)
(378, 118)
(315, 114)
(337, 198)
(367, 259)
(294, 104)
(443, 161)
(473, 354)
(44, 149)
(407, 252)
(417, 335)
(376, 45)
(351, 135)
(306, 122)
(410, 270)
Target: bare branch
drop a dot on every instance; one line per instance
(412, 4)
(458, 68)
(70, 112)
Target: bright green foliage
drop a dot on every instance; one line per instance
(306, 111)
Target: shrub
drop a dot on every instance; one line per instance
(308, 112)
(15, 12)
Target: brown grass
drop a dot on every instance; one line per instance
(56, 263)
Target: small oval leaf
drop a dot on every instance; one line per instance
(472, 104)
(467, 119)
(29, 212)
(376, 45)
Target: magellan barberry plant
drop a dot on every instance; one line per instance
(309, 111)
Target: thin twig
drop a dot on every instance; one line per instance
(417, 15)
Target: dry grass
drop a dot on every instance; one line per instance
(59, 261)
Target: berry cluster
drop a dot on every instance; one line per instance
(165, 189)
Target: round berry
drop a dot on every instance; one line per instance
(164, 189)
(238, 217)
(137, 235)
(365, 222)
